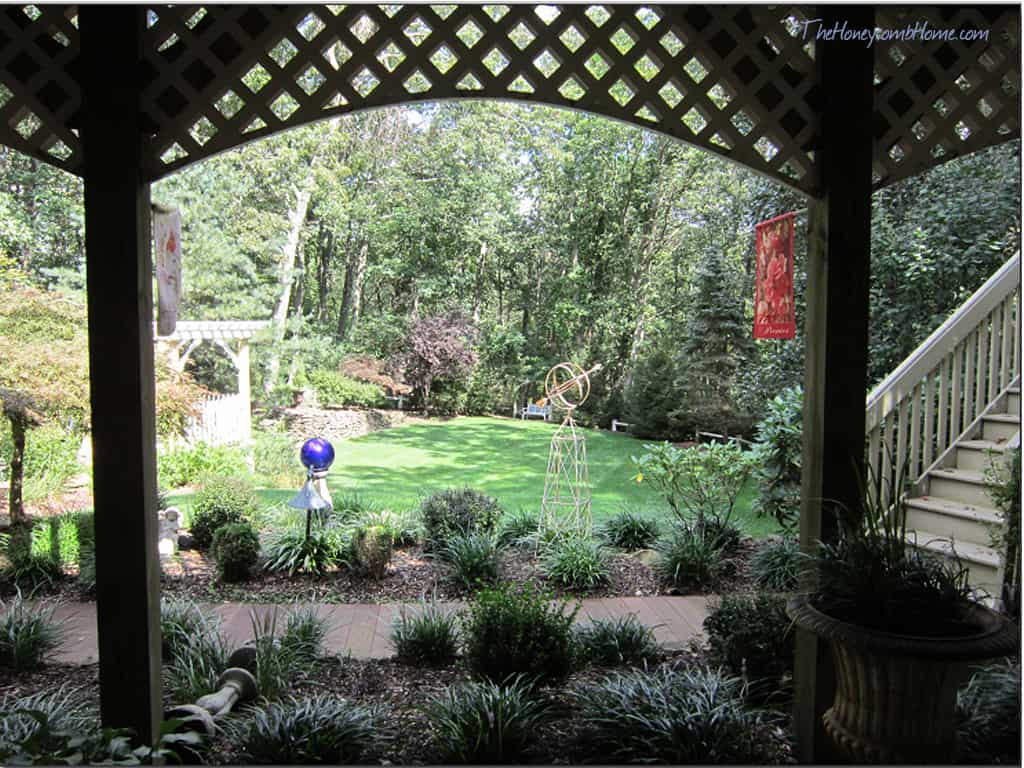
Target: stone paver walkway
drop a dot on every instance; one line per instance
(364, 630)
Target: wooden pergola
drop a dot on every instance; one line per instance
(125, 95)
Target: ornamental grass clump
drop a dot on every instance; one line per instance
(520, 631)
(193, 650)
(516, 529)
(576, 562)
(309, 730)
(988, 710)
(484, 723)
(630, 530)
(64, 709)
(687, 560)
(427, 638)
(777, 563)
(289, 549)
(28, 634)
(620, 641)
(470, 559)
(304, 633)
(673, 715)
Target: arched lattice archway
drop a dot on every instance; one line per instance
(737, 80)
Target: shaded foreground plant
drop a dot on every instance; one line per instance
(312, 730)
(28, 634)
(673, 715)
(64, 709)
(777, 564)
(510, 632)
(486, 723)
(988, 709)
(622, 640)
(428, 637)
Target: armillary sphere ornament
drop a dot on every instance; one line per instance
(568, 385)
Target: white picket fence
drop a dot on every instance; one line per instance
(222, 420)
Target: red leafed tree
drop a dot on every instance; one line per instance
(438, 347)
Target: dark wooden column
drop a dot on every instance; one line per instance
(120, 303)
(835, 378)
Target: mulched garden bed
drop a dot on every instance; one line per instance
(413, 575)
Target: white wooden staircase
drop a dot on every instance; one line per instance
(945, 414)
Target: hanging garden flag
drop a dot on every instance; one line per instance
(774, 316)
(167, 239)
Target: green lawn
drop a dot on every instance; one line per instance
(505, 458)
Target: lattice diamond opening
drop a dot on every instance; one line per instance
(648, 17)
(337, 54)
(495, 61)
(443, 59)
(521, 85)
(202, 131)
(597, 66)
(364, 82)
(695, 121)
(623, 40)
(229, 104)
(469, 82)
(283, 52)
(417, 31)
(310, 80)
(547, 13)
(256, 78)
(390, 56)
(363, 28)
(28, 125)
(695, 70)
(766, 148)
(310, 26)
(621, 92)
(417, 83)
(283, 106)
(572, 38)
(670, 93)
(647, 67)
(598, 15)
(496, 12)
(672, 44)
(173, 153)
(470, 34)
(547, 64)
(521, 35)
(572, 89)
(444, 11)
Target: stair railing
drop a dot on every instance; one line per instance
(922, 407)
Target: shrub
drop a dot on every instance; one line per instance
(457, 510)
(28, 634)
(236, 548)
(428, 638)
(471, 559)
(371, 550)
(752, 636)
(687, 560)
(333, 388)
(673, 715)
(630, 531)
(290, 550)
(219, 501)
(304, 634)
(777, 563)
(516, 530)
(988, 709)
(312, 730)
(701, 484)
(777, 457)
(190, 465)
(611, 642)
(483, 723)
(518, 632)
(576, 562)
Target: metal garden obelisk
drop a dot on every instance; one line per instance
(566, 504)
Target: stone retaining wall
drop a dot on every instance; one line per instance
(335, 424)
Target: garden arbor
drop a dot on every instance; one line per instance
(124, 95)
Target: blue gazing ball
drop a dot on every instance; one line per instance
(317, 454)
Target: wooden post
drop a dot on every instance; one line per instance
(835, 379)
(120, 306)
(245, 386)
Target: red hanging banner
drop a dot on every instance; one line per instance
(774, 316)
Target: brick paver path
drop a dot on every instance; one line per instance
(364, 630)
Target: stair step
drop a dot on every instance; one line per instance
(964, 485)
(953, 519)
(975, 454)
(999, 426)
(974, 554)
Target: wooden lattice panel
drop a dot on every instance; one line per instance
(936, 100)
(731, 79)
(738, 81)
(39, 96)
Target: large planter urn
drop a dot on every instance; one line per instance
(895, 698)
